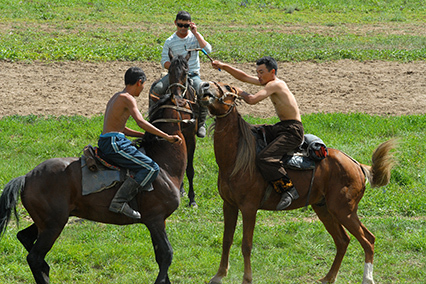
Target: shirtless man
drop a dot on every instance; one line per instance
(284, 136)
(119, 150)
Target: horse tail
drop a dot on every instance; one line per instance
(8, 200)
(378, 174)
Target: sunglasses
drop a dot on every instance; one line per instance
(182, 25)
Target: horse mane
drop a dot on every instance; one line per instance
(246, 152)
(153, 111)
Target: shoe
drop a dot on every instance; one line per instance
(287, 198)
(202, 131)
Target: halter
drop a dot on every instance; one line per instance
(184, 88)
(221, 100)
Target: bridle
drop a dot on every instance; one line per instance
(184, 88)
(222, 98)
(179, 110)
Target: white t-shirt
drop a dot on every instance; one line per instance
(178, 45)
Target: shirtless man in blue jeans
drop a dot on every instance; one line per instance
(120, 151)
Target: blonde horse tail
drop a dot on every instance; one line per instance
(379, 173)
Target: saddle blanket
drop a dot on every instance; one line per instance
(100, 180)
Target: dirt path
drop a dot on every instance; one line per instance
(81, 88)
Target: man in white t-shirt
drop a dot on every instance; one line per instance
(185, 38)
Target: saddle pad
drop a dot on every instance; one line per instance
(97, 181)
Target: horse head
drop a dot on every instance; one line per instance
(219, 98)
(178, 74)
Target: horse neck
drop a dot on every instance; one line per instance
(171, 157)
(226, 137)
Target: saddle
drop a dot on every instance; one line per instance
(95, 161)
(97, 173)
(311, 150)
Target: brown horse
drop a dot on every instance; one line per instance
(179, 86)
(52, 192)
(339, 184)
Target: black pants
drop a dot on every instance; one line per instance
(284, 137)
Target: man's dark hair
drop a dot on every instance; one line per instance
(183, 15)
(269, 62)
(133, 74)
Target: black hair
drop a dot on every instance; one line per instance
(183, 15)
(133, 74)
(269, 62)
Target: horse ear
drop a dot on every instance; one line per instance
(170, 54)
(154, 98)
(188, 56)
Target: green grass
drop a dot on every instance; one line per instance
(136, 30)
(287, 245)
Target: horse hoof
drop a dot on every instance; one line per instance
(193, 205)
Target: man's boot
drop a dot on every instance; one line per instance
(125, 193)
(203, 112)
(287, 198)
(288, 192)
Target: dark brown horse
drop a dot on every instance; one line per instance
(339, 184)
(179, 86)
(52, 192)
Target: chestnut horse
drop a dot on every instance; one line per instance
(52, 192)
(339, 184)
(179, 85)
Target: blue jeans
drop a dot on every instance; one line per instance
(119, 150)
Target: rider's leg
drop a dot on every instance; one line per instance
(119, 150)
(203, 111)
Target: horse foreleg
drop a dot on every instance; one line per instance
(340, 237)
(249, 222)
(230, 214)
(190, 176)
(163, 251)
(190, 171)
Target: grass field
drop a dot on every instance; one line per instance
(135, 30)
(289, 247)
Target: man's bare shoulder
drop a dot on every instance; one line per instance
(277, 86)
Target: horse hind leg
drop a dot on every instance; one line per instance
(28, 236)
(366, 239)
(41, 247)
(340, 237)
